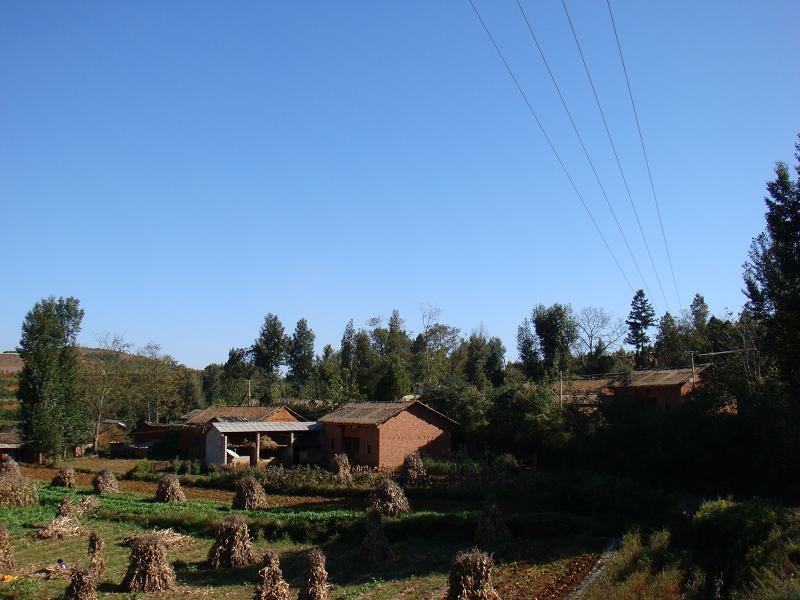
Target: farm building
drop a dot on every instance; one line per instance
(382, 434)
(662, 387)
(10, 444)
(253, 443)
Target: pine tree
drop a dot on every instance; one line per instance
(772, 273)
(347, 349)
(300, 356)
(641, 318)
(52, 414)
(669, 348)
(269, 349)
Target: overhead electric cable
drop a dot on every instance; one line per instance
(644, 151)
(614, 149)
(586, 152)
(549, 142)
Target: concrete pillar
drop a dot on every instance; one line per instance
(288, 452)
(258, 450)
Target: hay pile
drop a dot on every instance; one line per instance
(105, 483)
(79, 508)
(169, 489)
(6, 551)
(9, 467)
(344, 472)
(249, 495)
(168, 537)
(232, 547)
(471, 577)
(148, 568)
(82, 584)
(271, 585)
(16, 490)
(97, 562)
(492, 528)
(413, 471)
(388, 498)
(62, 526)
(64, 477)
(375, 547)
(315, 586)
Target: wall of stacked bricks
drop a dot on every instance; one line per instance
(414, 429)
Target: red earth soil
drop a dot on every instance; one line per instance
(519, 581)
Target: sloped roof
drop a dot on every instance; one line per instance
(10, 439)
(224, 413)
(605, 385)
(269, 426)
(374, 413)
(659, 377)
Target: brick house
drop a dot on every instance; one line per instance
(382, 434)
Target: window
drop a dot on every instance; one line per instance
(369, 449)
(332, 443)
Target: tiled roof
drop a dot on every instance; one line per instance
(373, 413)
(606, 384)
(9, 438)
(232, 414)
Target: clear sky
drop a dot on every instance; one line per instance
(185, 168)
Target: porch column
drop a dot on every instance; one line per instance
(258, 448)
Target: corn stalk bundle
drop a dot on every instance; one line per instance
(168, 537)
(232, 547)
(148, 568)
(17, 491)
(105, 483)
(169, 489)
(6, 551)
(82, 584)
(62, 526)
(388, 498)
(79, 508)
(64, 477)
(413, 471)
(97, 561)
(492, 528)
(315, 586)
(344, 472)
(471, 577)
(9, 467)
(271, 585)
(375, 547)
(249, 495)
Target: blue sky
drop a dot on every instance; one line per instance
(184, 168)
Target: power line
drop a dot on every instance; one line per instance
(616, 155)
(583, 146)
(550, 143)
(644, 151)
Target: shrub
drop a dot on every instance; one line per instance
(141, 469)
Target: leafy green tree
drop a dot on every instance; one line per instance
(239, 382)
(699, 311)
(300, 356)
(772, 274)
(365, 365)
(269, 351)
(53, 416)
(529, 353)
(670, 347)
(640, 320)
(212, 384)
(347, 350)
(394, 383)
(477, 356)
(495, 361)
(557, 331)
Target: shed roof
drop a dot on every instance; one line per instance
(224, 413)
(604, 385)
(375, 413)
(266, 426)
(10, 439)
(658, 377)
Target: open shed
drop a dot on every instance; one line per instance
(256, 443)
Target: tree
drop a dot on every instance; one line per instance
(300, 355)
(269, 350)
(640, 319)
(670, 347)
(699, 311)
(347, 350)
(238, 373)
(597, 334)
(772, 274)
(102, 379)
(528, 350)
(394, 383)
(555, 326)
(53, 416)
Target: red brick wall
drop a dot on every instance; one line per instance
(368, 442)
(414, 429)
(283, 415)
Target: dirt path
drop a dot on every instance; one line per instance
(192, 493)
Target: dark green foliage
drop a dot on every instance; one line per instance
(640, 320)
(269, 350)
(300, 355)
(52, 414)
(772, 274)
(556, 329)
